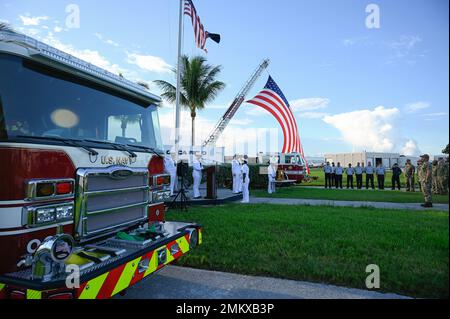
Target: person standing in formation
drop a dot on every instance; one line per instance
(338, 171)
(333, 174)
(434, 173)
(369, 175)
(381, 171)
(245, 181)
(395, 180)
(272, 175)
(236, 171)
(426, 180)
(349, 171)
(171, 169)
(327, 170)
(359, 175)
(443, 176)
(197, 175)
(419, 164)
(410, 170)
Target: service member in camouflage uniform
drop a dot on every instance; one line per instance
(434, 172)
(442, 175)
(426, 180)
(419, 163)
(410, 170)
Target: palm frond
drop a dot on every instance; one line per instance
(5, 27)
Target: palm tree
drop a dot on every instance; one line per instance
(198, 86)
(127, 119)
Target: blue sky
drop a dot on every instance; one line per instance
(352, 88)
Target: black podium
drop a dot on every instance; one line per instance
(211, 184)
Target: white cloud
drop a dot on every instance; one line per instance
(255, 111)
(438, 114)
(57, 29)
(417, 106)
(434, 116)
(311, 115)
(372, 130)
(218, 106)
(149, 63)
(349, 42)
(406, 49)
(29, 21)
(410, 148)
(241, 122)
(309, 104)
(107, 41)
(406, 42)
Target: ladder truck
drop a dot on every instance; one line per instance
(237, 102)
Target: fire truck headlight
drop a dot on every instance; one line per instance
(161, 196)
(45, 215)
(64, 212)
(48, 214)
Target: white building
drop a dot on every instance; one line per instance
(386, 159)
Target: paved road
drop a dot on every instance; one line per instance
(324, 202)
(186, 283)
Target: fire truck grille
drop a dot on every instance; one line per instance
(109, 199)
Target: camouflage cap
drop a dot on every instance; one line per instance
(425, 156)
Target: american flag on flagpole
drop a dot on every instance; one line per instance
(201, 35)
(272, 99)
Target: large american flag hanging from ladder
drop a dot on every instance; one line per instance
(201, 35)
(272, 99)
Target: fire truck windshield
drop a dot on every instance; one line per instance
(44, 102)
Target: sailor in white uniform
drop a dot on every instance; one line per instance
(237, 175)
(272, 175)
(197, 175)
(245, 182)
(171, 169)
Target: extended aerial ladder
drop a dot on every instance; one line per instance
(237, 102)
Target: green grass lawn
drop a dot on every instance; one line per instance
(325, 244)
(349, 195)
(320, 181)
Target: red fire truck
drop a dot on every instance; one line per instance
(292, 166)
(82, 181)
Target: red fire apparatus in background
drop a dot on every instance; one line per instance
(292, 166)
(81, 178)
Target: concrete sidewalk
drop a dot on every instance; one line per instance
(324, 202)
(187, 283)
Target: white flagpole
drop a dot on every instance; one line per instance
(177, 107)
